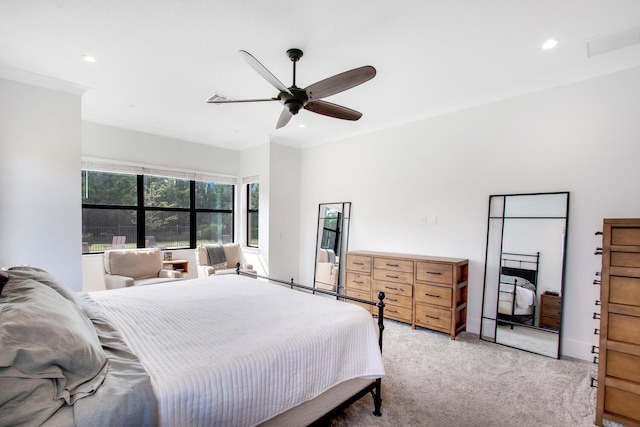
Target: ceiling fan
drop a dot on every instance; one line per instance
(294, 98)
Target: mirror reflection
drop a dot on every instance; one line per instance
(524, 271)
(332, 239)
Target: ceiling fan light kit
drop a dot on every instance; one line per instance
(294, 98)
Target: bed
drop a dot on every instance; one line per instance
(517, 296)
(221, 350)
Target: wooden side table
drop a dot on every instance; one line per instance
(550, 306)
(177, 264)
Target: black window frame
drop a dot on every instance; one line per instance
(252, 211)
(141, 211)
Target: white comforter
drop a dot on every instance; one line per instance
(234, 351)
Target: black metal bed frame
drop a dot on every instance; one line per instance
(375, 388)
(526, 273)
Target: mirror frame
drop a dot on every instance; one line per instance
(343, 229)
(486, 317)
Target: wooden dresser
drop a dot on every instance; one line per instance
(619, 367)
(429, 292)
(550, 306)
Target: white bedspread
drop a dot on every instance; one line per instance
(234, 351)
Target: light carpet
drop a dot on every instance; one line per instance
(434, 381)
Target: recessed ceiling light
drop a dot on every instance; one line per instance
(302, 125)
(89, 58)
(549, 44)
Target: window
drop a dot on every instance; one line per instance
(122, 210)
(253, 197)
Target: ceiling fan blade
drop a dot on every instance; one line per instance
(333, 110)
(262, 70)
(285, 116)
(211, 100)
(340, 82)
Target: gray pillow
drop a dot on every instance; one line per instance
(4, 277)
(39, 275)
(43, 335)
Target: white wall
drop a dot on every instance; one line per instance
(115, 143)
(40, 211)
(581, 138)
(284, 212)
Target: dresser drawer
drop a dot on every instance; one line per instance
(550, 312)
(623, 328)
(432, 317)
(392, 288)
(550, 322)
(551, 302)
(397, 312)
(393, 276)
(393, 264)
(436, 295)
(624, 290)
(622, 402)
(434, 272)
(625, 236)
(550, 307)
(625, 259)
(358, 263)
(623, 365)
(358, 281)
(391, 297)
(359, 294)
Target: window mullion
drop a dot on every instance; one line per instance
(140, 215)
(192, 215)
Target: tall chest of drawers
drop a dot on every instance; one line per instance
(429, 292)
(618, 396)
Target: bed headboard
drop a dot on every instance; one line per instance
(521, 265)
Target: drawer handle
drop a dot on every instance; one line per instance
(432, 295)
(391, 311)
(598, 302)
(358, 263)
(598, 233)
(392, 277)
(596, 331)
(595, 349)
(391, 299)
(391, 288)
(596, 316)
(596, 360)
(594, 382)
(431, 317)
(597, 282)
(598, 251)
(361, 283)
(392, 265)
(437, 273)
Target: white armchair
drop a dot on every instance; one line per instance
(135, 267)
(327, 269)
(232, 255)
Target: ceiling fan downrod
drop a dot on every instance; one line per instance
(294, 55)
(299, 98)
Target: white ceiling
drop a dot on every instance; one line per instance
(159, 60)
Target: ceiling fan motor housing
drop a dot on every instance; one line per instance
(297, 101)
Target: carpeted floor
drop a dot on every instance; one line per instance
(433, 381)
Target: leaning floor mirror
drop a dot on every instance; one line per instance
(524, 271)
(332, 241)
